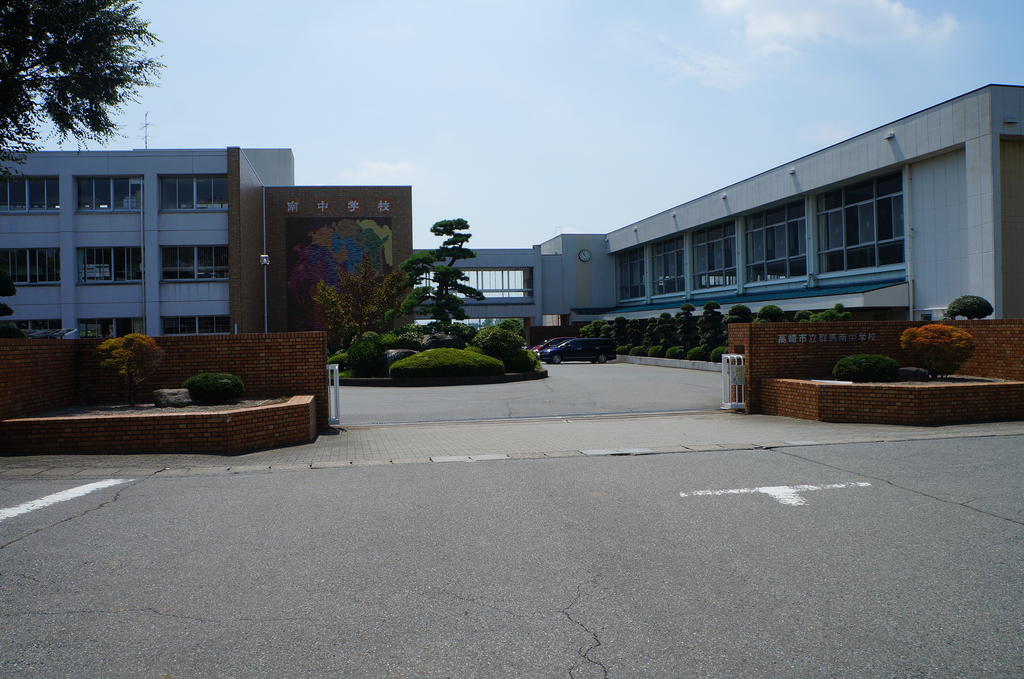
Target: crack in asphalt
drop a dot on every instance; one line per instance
(90, 510)
(965, 505)
(584, 653)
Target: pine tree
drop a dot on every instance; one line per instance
(438, 287)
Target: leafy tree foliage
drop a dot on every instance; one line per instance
(438, 287)
(802, 316)
(710, 328)
(969, 306)
(686, 326)
(665, 330)
(635, 330)
(770, 313)
(939, 349)
(69, 63)
(360, 302)
(739, 313)
(620, 330)
(7, 289)
(836, 313)
(135, 357)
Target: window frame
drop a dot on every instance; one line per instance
(217, 253)
(196, 323)
(130, 258)
(847, 215)
(499, 283)
(668, 266)
(764, 263)
(119, 327)
(50, 185)
(31, 263)
(137, 203)
(705, 276)
(193, 181)
(630, 273)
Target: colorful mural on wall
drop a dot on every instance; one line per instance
(319, 248)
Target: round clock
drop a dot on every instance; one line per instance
(584, 255)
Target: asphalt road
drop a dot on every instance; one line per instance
(902, 560)
(572, 389)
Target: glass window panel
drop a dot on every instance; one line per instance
(168, 193)
(831, 200)
(5, 195)
(755, 272)
(729, 229)
(204, 191)
(101, 191)
(186, 197)
(756, 221)
(832, 261)
(866, 222)
(219, 193)
(797, 237)
(852, 227)
(19, 192)
(776, 270)
(897, 216)
(779, 236)
(885, 219)
(890, 253)
(52, 193)
(85, 197)
(37, 194)
(798, 266)
(858, 258)
(888, 184)
(775, 215)
(859, 192)
(755, 246)
(795, 210)
(835, 229)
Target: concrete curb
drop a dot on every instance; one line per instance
(672, 363)
(441, 381)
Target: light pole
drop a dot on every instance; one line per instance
(265, 262)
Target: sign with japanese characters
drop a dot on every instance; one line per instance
(826, 337)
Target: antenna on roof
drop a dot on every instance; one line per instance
(145, 130)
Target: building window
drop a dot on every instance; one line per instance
(714, 256)
(195, 262)
(667, 272)
(501, 282)
(29, 194)
(110, 193)
(47, 324)
(97, 265)
(104, 328)
(776, 243)
(861, 225)
(31, 265)
(196, 325)
(194, 193)
(630, 266)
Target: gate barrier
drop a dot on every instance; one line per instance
(734, 395)
(333, 394)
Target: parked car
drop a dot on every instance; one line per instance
(549, 343)
(593, 349)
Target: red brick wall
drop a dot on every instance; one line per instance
(36, 375)
(219, 432)
(919, 404)
(277, 364)
(997, 350)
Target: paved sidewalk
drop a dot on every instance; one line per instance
(501, 439)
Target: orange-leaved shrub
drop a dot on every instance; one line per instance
(939, 349)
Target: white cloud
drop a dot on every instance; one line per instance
(379, 172)
(772, 26)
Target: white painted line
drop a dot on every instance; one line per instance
(616, 451)
(480, 458)
(801, 443)
(787, 495)
(62, 496)
(450, 458)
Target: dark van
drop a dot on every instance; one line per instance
(593, 349)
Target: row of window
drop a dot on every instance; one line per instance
(190, 192)
(117, 327)
(859, 226)
(112, 264)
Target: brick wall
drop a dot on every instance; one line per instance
(36, 375)
(218, 432)
(809, 350)
(923, 404)
(276, 364)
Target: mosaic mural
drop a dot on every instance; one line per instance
(319, 248)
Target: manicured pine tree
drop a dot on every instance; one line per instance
(666, 331)
(710, 328)
(636, 328)
(686, 326)
(620, 330)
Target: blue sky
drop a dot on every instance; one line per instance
(528, 118)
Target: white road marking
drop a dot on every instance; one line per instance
(69, 494)
(787, 495)
(615, 451)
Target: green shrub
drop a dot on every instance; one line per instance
(770, 313)
(716, 354)
(213, 388)
(802, 316)
(697, 354)
(498, 342)
(523, 362)
(866, 368)
(639, 350)
(475, 349)
(366, 356)
(447, 363)
(969, 306)
(623, 349)
(11, 332)
(340, 358)
(513, 325)
(464, 332)
(836, 313)
(657, 351)
(676, 352)
(403, 340)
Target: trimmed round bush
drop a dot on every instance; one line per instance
(716, 354)
(657, 351)
(697, 354)
(770, 313)
(939, 349)
(623, 349)
(475, 349)
(447, 363)
(969, 306)
(675, 352)
(524, 362)
(11, 332)
(340, 358)
(803, 316)
(214, 388)
(402, 340)
(866, 368)
(638, 350)
(499, 342)
(366, 356)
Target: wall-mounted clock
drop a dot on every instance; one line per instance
(583, 255)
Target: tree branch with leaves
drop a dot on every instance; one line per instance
(438, 286)
(361, 301)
